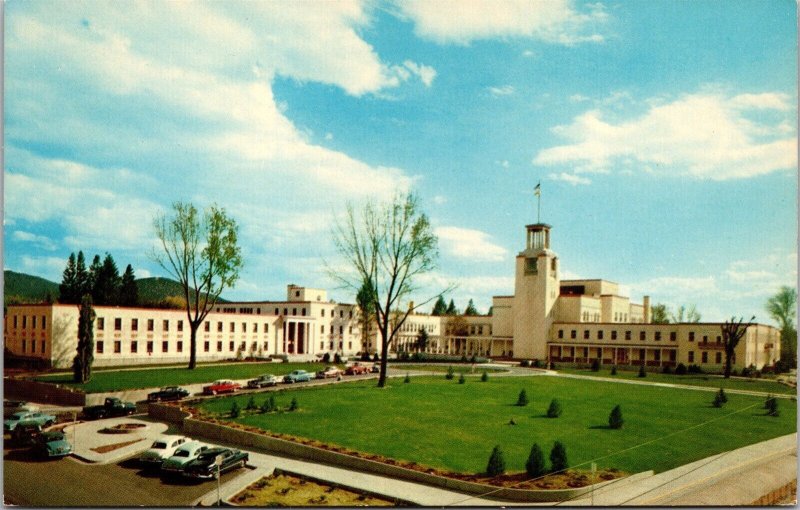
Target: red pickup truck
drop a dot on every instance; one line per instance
(221, 386)
(357, 369)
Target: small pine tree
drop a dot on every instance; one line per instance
(461, 379)
(497, 464)
(450, 373)
(293, 405)
(484, 376)
(235, 410)
(717, 402)
(722, 396)
(522, 399)
(251, 404)
(614, 370)
(407, 379)
(535, 465)
(554, 411)
(558, 457)
(615, 420)
(272, 405)
(266, 407)
(642, 372)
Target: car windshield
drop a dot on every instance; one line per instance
(159, 445)
(52, 436)
(14, 417)
(182, 453)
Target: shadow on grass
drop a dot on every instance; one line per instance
(600, 427)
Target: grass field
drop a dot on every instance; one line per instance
(443, 367)
(117, 380)
(711, 380)
(444, 424)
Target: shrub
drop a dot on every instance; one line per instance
(293, 405)
(614, 370)
(484, 376)
(535, 465)
(375, 357)
(326, 358)
(524, 363)
(722, 396)
(615, 420)
(595, 365)
(337, 359)
(717, 402)
(642, 372)
(537, 363)
(365, 356)
(497, 464)
(554, 411)
(235, 410)
(463, 358)
(680, 369)
(473, 359)
(558, 457)
(666, 369)
(450, 373)
(407, 379)
(251, 404)
(522, 399)
(416, 357)
(461, 379)
(694, 369)
(269, 405)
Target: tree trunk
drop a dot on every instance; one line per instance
(193, 345)
(384, 355)
(728, 357)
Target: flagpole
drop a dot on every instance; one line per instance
(538, 207)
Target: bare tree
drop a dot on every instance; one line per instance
(203, 254)
(388, 245)
(732, 332)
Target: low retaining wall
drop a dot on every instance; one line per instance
(777, 496)
(168, 413)
(245, 439)
(47, 393)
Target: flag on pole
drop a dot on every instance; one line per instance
(538, 189)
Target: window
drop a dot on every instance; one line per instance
(207, 326)
(219, 346)
(691, 356)
(719, 357)
(658, 336)
(341, 329)
(573, 334)
(24, 345)
(266, 346)
(719, 339)
(24, 321)
(691, 336)
(43, 347)
(585, 352)
(277, 312)
(150, 324)
(233, 327)
(323, 312)
(614, 335)
(134, 324)
(560, 333)
(179, 347)
(219, 327)
(117, 324)
(705, 338)
(321, 345)
(627, 335)
(33, 322)
(101, 323)
(641, 354)
(350, 330)
(303, 312)
(642, 335)
(244, 327)
(705, 357)
(586, 334)
(351, 314)
(206, 346)
(657, 355)
(180, 325)
(15, 321)
(165, 326)
(242, 346)
(341, 314)
(230, 346)
(673, 336)
(134, 346)
(165, 346)
(255, 327)
(150, 347)
(266, 328)
(322, 329)
(100, 347)
(599, 334)
(117, 347)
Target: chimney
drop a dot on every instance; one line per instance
(646, 305)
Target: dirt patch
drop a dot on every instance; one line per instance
(123, 428)
(111, 447)
(288, 490)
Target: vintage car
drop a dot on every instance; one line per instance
(221, 386)
(162, 448)
(357, 369)
(205, 465)
(52, 444)
(168, 393)
(186, 453)
(296, 376)
(329, 372)
(112, 406)
(263, 381)
(25, 433)
(15, 406)
(36, 417)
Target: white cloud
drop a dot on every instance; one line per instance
(578, 98)
(44, 267)
(426, 73)
(528, 54)
(505, 90)
(439, 199)
(469, 244)
(456, 22)
(765, 101)
(43, 242)
(503, 163)
(569, 178)
(705, 135)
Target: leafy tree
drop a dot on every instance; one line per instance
(615, 420)
(203, 255)
(522, 398)
(422, 340)
(440, 307)
(82, 363)
(732, 333)
(535, 465)
(129, 290)
(390, 246)
(451, 309)
(107, 283)
(554, 411)
(68, 288)
(558, 457)
(471, 310)
(365, 299)
(782, 307)
(497, 463)
(659, 314)
(685, 314)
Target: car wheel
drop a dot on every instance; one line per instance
(48, 423)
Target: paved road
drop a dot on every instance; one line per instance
(70, 483)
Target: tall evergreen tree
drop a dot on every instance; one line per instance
(129, 290)
(94, 273)
(471, 310)
(107, 284)
(440, 308)
(451, 309)
(82, 363)
(558, 457)
(67, 290)
(83, 284)
(535, 465)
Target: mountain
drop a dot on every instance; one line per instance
(156, 289)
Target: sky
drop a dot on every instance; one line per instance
(663, 133)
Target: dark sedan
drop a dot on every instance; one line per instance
(168, 393)
(205, 465)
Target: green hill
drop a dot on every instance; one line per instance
(25, 288)
(156, 289)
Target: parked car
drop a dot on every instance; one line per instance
(168, 393)
(329, 372)
(186, 453)
(297, 376)
(162, 448)
(42, 419)
(357, 369)
(15, 406)
(112, 406)
(221, 386)
(263, 381)
(52, 444)
(204, 465)
(376, 368)
(25, 433)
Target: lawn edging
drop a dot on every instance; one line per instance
(248, 439)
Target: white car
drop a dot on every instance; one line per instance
(182, 456)
(162, 448)
(11, 407)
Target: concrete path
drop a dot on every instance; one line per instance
(85, 436)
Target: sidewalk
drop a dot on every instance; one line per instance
(84, 436)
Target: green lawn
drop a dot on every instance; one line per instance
(444, 424)
(712, 380)
(442, 367)
(116, 380)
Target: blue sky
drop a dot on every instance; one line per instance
(663, 134)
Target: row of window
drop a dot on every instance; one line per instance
(165, 347)
(414, 327)
(657, 335)
(101, 325)
(332, 344)
(42, 323)
(333, 329)
(704, 357)
(33, 346)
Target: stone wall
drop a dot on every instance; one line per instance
(42, 392)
